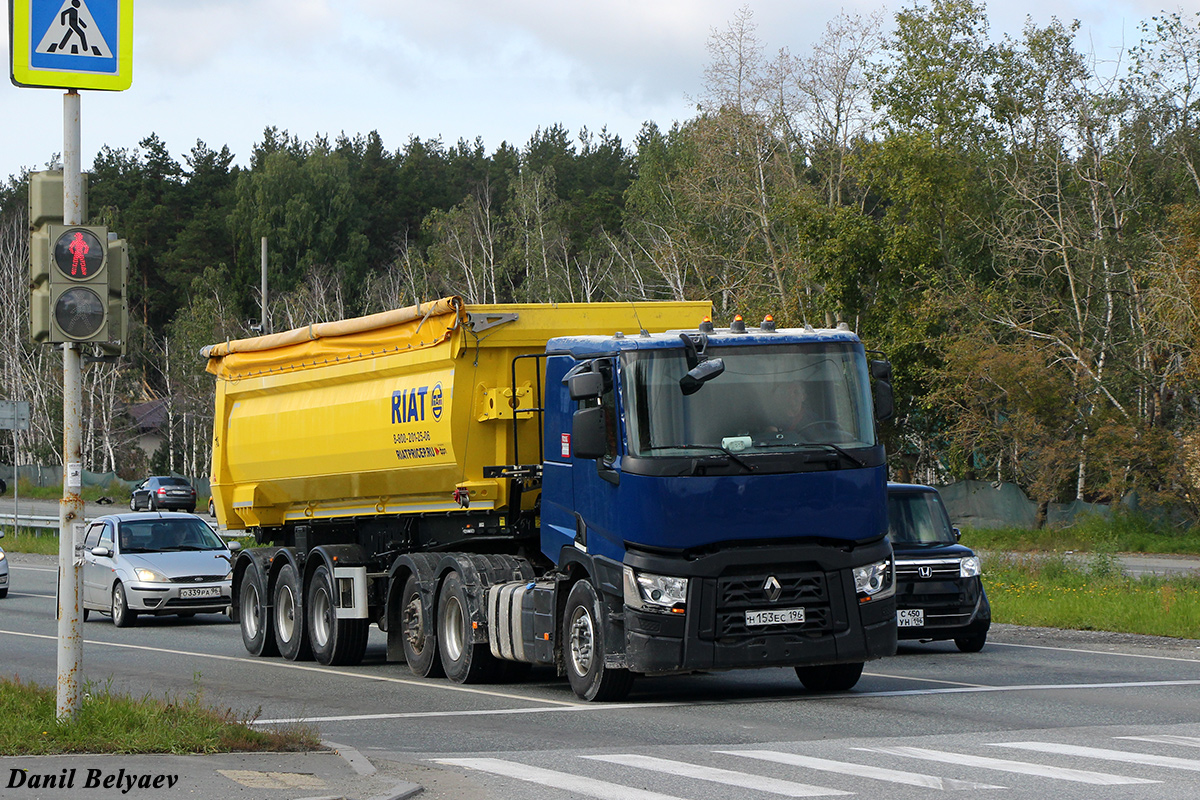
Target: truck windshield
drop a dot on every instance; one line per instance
(918, 518)
(770, 398)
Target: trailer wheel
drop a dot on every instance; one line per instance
(334, 641)
(255, 618)
(583, 649)
(420, 639)
(290, 633)
(830, 677)
(464, 660)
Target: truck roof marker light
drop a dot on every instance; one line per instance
(738, 325)
(768, 323)
(706, 325)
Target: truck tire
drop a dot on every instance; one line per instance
(290, 634)
(258, 633)
(418, 632)
(463, 660)
(335, 642)
(830, 677)
(583, 649)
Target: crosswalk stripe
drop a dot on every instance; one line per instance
(860, 770)
(1186, 741)
(559, 780)
(723, 776)
(1004, 765)
(1170, 762)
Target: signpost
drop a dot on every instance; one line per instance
(14, 416)
(72, 45)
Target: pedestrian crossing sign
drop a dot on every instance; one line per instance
(71, 44)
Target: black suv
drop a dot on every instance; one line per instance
(939, 594)
(161, 492)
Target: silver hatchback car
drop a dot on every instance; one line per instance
(161, 563)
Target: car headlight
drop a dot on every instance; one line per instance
(1, 555)
(149, 575)
(969, 567)
(875, 581)
(649, 592)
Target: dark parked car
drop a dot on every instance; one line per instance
(163, 492)
(939, 593)
(162, 563)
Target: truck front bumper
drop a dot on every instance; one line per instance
(713, 634)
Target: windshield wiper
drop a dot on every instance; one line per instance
(839, 450)
(742, 462)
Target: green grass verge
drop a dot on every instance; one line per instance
(112, 723)
(1049, 591)
(1122, 533)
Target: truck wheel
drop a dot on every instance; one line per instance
(290, 634)
(420, 639)
(583, 649)
(971, 644)
(122, 617)
(463, 660)
(830, 677)
(334, 641)
(257, 634)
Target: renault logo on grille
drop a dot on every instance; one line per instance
(925, 572)
(772, 588)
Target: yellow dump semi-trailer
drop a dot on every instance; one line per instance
(395, 413)
(604, 488)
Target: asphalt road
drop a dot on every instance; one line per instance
(1076, 714)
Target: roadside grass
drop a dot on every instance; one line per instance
(1123, 532)
(118, 492)
(114, 723)
(1049, 591)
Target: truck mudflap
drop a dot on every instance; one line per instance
(824, 621)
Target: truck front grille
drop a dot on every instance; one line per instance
(738, 594)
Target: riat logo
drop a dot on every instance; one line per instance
(436, 400)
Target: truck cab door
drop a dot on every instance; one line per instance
(597, 434)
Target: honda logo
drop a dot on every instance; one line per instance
(925, 572)
(772, 588)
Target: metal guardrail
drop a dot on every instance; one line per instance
(30, 521)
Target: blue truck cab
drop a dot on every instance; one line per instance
(716, 499)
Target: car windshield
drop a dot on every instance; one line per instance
(769, 398)
(918, 518)
(160, 535)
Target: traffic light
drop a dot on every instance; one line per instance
(77, 273)
(79, 278)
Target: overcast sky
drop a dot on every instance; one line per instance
(223, 70)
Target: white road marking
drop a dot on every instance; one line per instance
(1093, 652)
(860, 770)
(558, 780)
(1186, 741)
(1170, 762)
(1004, 765)
(727, 777)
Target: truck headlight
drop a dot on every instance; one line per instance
(969, 567)
(875, 581)
(648, 592)
(149, 576)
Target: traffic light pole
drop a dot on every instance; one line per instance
(70, 510)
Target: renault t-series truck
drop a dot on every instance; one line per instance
(608, 489)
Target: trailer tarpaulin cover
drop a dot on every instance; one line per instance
(412, 328)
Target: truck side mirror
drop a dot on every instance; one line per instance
(700, 374)
(585, 385)
(589, 435)
(885, 401)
